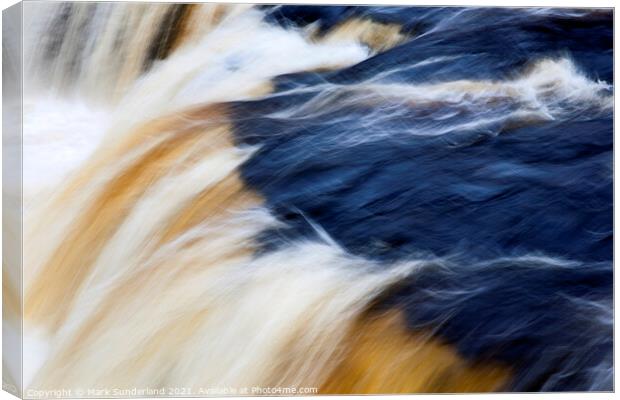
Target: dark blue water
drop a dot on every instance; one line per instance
(485, 140)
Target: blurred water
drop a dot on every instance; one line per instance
(227, 191)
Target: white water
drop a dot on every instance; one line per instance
(69, 129)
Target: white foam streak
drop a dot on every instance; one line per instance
(551, 89)
(233, 62)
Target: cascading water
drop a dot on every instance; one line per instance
(354, 199)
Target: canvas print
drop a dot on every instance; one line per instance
(232, 199)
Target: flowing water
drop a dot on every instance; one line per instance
(354, 199)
